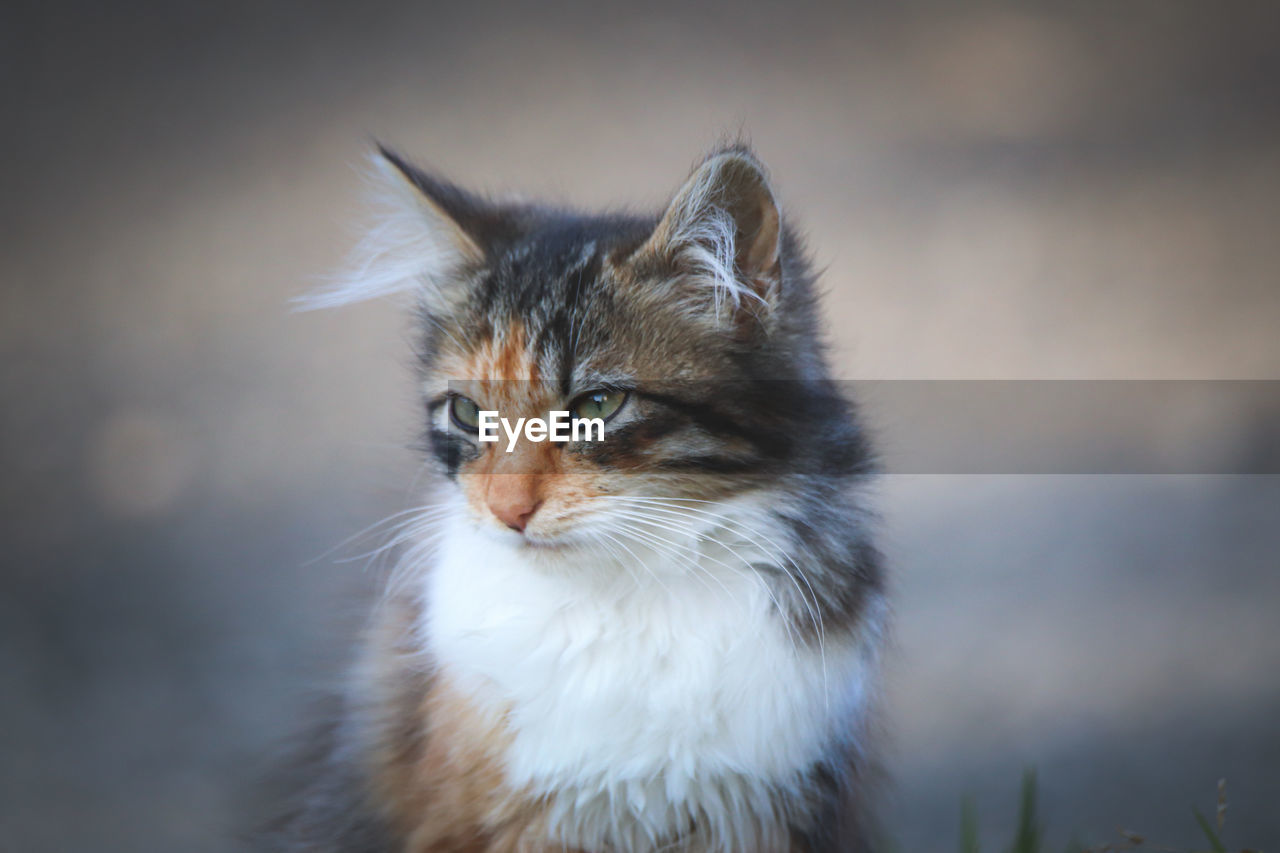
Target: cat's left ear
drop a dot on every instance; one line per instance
(426, 234)
(723, 231)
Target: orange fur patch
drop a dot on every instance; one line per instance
(500, 374)
(447, 793)
(502, 357)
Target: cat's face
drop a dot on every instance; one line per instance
(678, 332)
(563, 323)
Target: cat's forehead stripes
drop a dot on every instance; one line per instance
(503, 355)
(548, 286)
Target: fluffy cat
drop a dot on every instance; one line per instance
(664, 640)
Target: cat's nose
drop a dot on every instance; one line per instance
(513, 499)
(516, 516)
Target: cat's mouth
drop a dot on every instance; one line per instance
(531, 541)
(539, 543)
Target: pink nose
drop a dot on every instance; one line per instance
(515, 515)
(513, 499)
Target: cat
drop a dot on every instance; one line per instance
(665, 639)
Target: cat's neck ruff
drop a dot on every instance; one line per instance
(642, 699)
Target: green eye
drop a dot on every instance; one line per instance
(599, 404)
(465, 412)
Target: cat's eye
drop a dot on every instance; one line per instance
(465, 412)
(601, 403)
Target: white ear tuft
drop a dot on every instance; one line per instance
(723, 227)
(411, 245)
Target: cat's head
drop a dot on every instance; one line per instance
(690, 334)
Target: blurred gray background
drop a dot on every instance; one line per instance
(1029, 191)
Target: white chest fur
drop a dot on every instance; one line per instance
(638, 705)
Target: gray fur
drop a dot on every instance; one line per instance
(716, 329)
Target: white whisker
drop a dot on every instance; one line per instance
(753, 536)
(669, 547)
(786, 622)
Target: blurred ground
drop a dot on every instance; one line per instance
(1027, 191)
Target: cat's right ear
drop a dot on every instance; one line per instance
(425, 234)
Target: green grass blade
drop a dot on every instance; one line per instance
(968, 827)
(1214, 841)
(1028, 838)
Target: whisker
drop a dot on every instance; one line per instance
(814, 608)
(773, 549)
(753, 536)
(369, 530)
(691, 531)
(786, 622)
(642, 563)
(415, 525)
(605, 541)
(655, 541)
